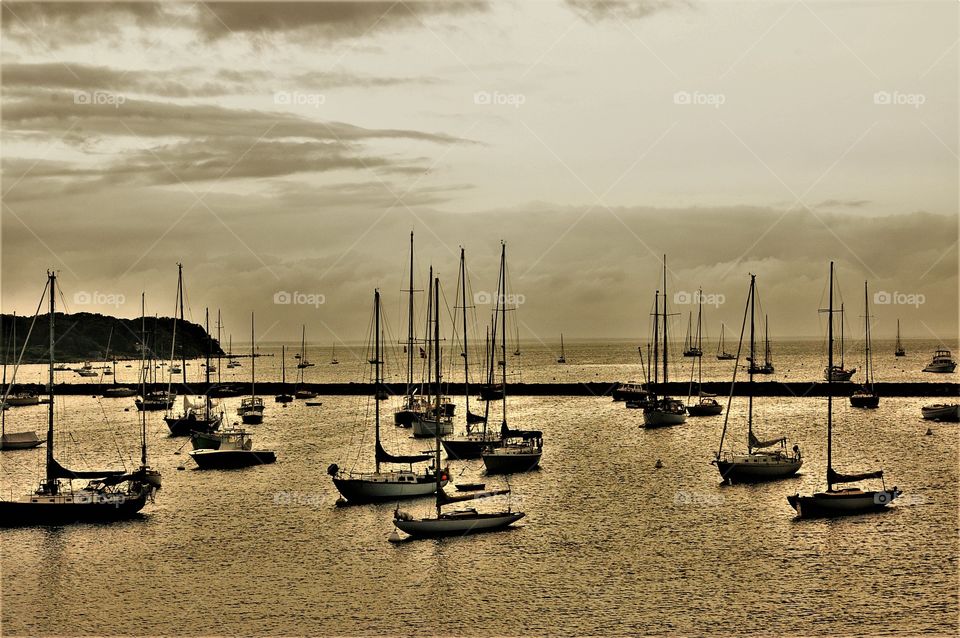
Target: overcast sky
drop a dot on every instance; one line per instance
(292, 147)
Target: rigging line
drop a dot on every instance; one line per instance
(736, 365)
(24, 349)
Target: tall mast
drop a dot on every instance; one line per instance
(429, 387)
(143, 379)
(466, 349)
(830, 387)
(51, 477)
(656, 337)
(173, 338)
(283, 367)
(6, 391)
(766, 339)
(253, 361)
(841, 335)
(700, 343)
(303, 344)
(183, 352)
(866, 332)
(436, 429)
(219, 347)
(752, 367)
(503, 321)
(665, 377)
(206, 397)
(376, 371)
(410, 324)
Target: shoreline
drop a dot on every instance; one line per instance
(797, 389)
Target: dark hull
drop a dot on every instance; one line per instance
(283, 398)
(185, 427)
(704, 410)
(744, 473)
(404, 418)
(233, 459)
(864, 400)
(153, 406)
(488, 393)
(467, 448)
(252, 419)
(15, 514)
(829, 505)
(511, 463)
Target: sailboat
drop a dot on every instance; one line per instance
(251, 407)
(722, 354)
(519, 450)
(844, 501)
(662, 411)
(196, 416)
(899, 351)
(432, 420)
(366, 487)
(110, 495)
(232, 362)
(767, 366)
(413, 404)
(460, 522)
(706, 404)
(283, 397)
(471, 444)
(692, 348)
(333, 355)
(301, 392)
(152, 400)
(13, 440)
(563, 355)
(839, 373)
(759, 462)
(866, 395)
(304, 362)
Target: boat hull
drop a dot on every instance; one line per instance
(119, 393)
(423, 428)
(361, 490)
(512, 463)
(20, 514)
(661, 419)
(20, 441)
(941, 412)
(470, 446)
(208, 459)
(405, 418)
(252, 418)
(941, 368)
(704, 409)
(742, 471)
(841, 503)
(14, 401)
(453, 525)
(865, 400)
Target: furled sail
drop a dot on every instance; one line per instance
(475, 418)
(445, 498)
(837, 477)
(58, 471)
(755, 442)
(507, 433)
(385, 457)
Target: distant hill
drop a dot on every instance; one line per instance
(85, 337)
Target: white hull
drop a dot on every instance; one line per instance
(941, 412)
(386, 486)
(423, 428)
(659, 419)
(842, 502)
(457, 524)
(942, 368)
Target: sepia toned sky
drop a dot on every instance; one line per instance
(291, 147)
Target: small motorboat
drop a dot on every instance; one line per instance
(941, 412)
(235, 451)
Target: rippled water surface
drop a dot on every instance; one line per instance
(610, 544)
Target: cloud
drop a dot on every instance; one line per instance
(21, 79)
(600, 10)
(843, 203)
(331, 20)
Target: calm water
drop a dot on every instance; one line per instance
(610, 545)
(794, 360)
